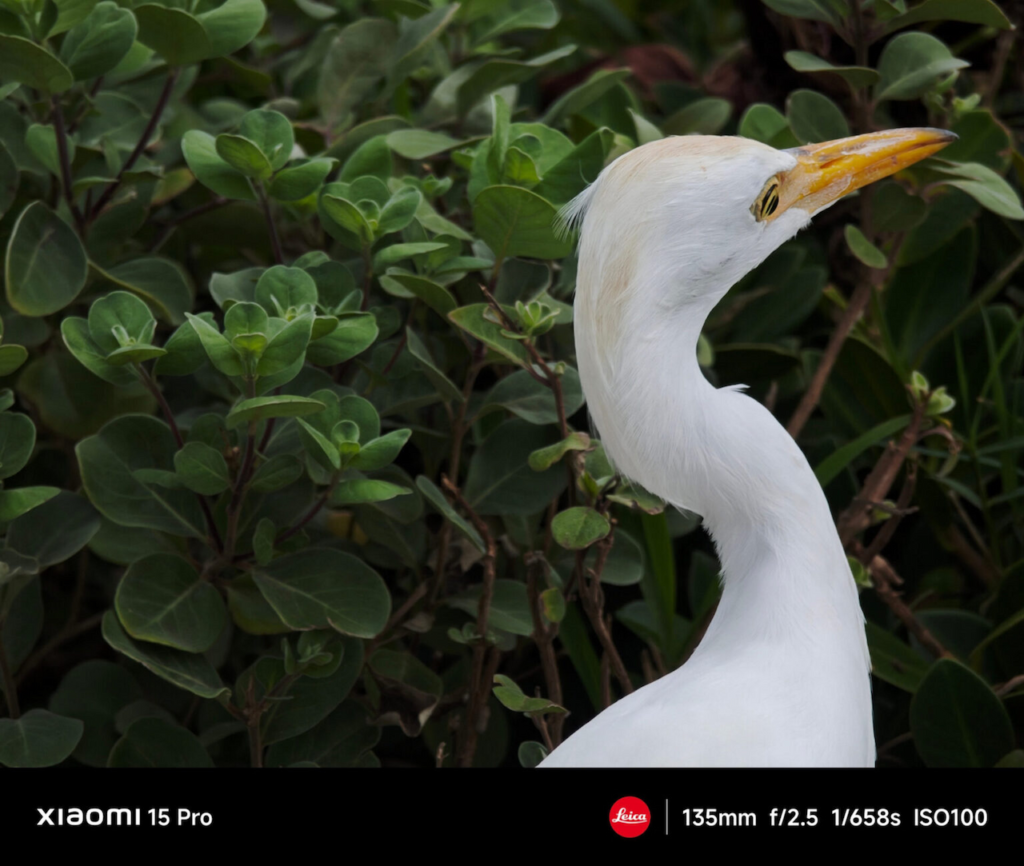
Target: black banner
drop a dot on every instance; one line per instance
(635, 809)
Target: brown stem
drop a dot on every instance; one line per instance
(65, 165)
(154, 389)
(809, 401)
(885, 578)
(10, 685)
(593, 604)
(485, 657)
(147, 133)
(172, 224)
(857, 516)
(275, 240)
(544, 637)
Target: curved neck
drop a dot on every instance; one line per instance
(722, 455)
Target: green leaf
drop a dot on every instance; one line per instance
(705, 116)
(39, 738)
(187, 671)
(531, 753)
(418, 349)
(814, 117)
(287, 347)
(55, 530)
(625, 563)
(434, 495)
(517, 222)
(12, 357)
(972, 11)
(300, 180)
(396, 253)
(500, 480)
(281, 406)
(475, 320)
(109, 461)
(17, 440)
(533, 401)
(544, 458)
(182, 39)
(324, 588)
(579, 98)
(14, 503)
(202, 469)
(27, 63)
(94, 692)
(855, 76)
(510, 606)
(420, 143)
(482, 80)
(863, 249)
(355, 63)
(956, 719)
(340, 740)
(985, 187)
(378, 453)
(173, 33)
(277, 472)
(161, 283)
(99, 42)
(415, 38)
(243, 155)
(518, 15)
(232, 25)
(579, 527)
(895, 209)
(335, 210)
(45, 266)
(200, 151)
(767, 124)
(842, 457)
(311, 699)
(911, 64)
(924, 296)
(570, 175)
(272, 133)
(433, 294)
(894, 661)
(812, 10)
(508, 692)
(357, 490)
(399, 212)
(355, 333)
(156, 742)
(162, 599)
(222, 354)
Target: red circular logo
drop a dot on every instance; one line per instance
(629, 817)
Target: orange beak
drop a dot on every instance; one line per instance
(826, 172)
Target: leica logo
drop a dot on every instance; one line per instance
(629, 817)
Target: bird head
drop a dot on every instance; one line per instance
(677, 221)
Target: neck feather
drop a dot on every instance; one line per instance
(721, 454)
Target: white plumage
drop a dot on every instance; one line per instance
(781, 678)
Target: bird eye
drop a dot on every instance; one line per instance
(767, 201)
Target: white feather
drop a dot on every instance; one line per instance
(781, 676)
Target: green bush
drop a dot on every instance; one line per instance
(295, 457)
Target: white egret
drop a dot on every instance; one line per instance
(781, 677)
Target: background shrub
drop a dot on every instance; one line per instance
(295, 462)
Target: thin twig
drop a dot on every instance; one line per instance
(275, 240)
(485, 657)
(147, 133)
(65, 165)
(154, 389)
(885, 578)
